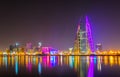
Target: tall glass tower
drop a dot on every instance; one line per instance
(83, 42)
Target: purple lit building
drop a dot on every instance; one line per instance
(49, 50)
(83, 42)
(28, 46)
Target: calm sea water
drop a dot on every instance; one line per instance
(60, 66)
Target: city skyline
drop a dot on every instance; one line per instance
(56, 24)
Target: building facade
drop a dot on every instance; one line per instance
(83, 42)
(99, 47)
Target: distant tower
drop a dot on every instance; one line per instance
(99, 47)
(11, 47)
(83, 42)
(28, 46)
(39, 45)
(17, 46)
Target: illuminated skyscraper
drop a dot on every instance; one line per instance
(11, 47)
(29, 46)
(99, 47)
(39, 45)
(83, 41)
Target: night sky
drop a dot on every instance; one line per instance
(54, 23)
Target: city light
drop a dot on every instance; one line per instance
(83, 45)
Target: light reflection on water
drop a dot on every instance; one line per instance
(83, 66)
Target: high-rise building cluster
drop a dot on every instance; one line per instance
(83, 45)
(29, 48)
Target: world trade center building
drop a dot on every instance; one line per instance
(83, 43)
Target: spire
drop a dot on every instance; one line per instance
(78, 29)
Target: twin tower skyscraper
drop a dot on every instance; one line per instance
(83, 43)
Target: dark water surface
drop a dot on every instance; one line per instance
(59, 66)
